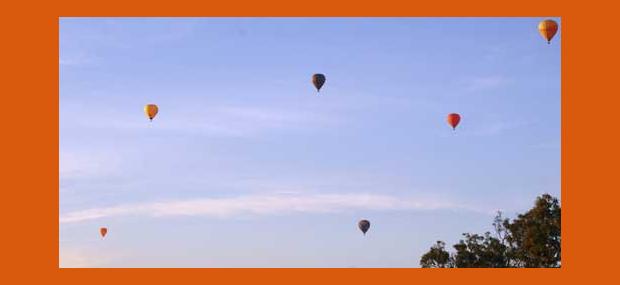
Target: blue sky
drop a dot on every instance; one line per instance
(245, 166)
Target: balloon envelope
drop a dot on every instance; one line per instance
(318, 80)
(364, 225)
(453, 120)
(151, 111)
(103, 231)
(548, 29)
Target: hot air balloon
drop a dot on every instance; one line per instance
(318, 80)
(364, 225)
(453, 120)
(103, 231)
(151, 110)
(547, 29)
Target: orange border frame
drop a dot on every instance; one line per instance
(30, 141)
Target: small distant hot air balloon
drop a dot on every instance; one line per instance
(364, 225)
(151, 110)
(453, 120)
(103, 232)
(547, 29)
(318, 80)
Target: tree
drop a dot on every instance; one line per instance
(437, 257)
(535, 237)
(532, 239)
(480, 251)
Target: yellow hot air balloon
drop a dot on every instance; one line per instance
(151, 110)
(547, 29)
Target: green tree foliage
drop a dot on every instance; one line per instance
(532, 239)
(437, 257)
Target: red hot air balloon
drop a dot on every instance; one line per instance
(453, 120)
(103, 231)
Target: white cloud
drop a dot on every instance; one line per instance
(498, 127)
(86, 164)
(262, 205)
(232, 121)
(482, 83)
(77, 59)
(71, 256)
(547, 145)
(77, 258)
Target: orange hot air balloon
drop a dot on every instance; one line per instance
(151, 110)
(103, 231)
(453, 120)
(547, 29)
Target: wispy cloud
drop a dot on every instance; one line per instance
(77, 258)
(77, 59)
(498, 127)
(261, 205)
(482, 83)
(238, 121)
(547, 145)
(77, 164)
(125, 33)
(273, 118)
(71, 256)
